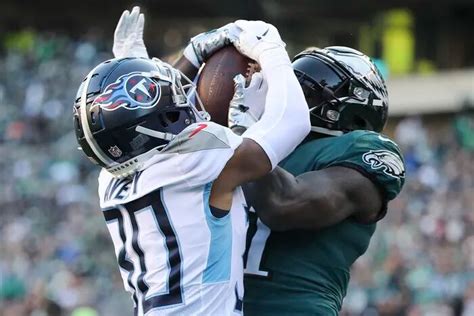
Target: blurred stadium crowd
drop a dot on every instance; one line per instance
(56, 255)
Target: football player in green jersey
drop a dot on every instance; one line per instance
(313, 217)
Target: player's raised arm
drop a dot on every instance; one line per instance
(128, 35)
(128, 42)
(284, 123)
(202, 46)
(359, 185)
(315, 199)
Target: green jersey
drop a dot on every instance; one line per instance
(307, 272)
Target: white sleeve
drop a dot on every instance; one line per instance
(285, 122)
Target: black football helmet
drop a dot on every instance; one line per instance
(343, 88)
(126, 110)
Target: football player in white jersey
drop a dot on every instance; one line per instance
(170, 177)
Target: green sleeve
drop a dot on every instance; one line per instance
(379, 159)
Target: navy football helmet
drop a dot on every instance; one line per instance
(343, 88)
(126, 110)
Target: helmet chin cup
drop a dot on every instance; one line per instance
(205, 116)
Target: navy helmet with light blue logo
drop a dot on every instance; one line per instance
(343, 88)
(126, 110)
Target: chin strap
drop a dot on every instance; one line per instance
(156, 134)
(326, 131)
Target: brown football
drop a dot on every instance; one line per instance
(215, 85)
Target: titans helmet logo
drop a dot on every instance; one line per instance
(389, 162)
(131, 91)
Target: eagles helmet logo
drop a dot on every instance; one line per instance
(131, 91)
(389, 162)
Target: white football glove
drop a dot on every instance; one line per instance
(203, 45)
(247, 104)
(257, 38)
(128, 36)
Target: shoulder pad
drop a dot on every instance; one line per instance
(381, 153)
(379, 158)
(199, 136)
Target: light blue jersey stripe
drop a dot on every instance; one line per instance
(220, 248)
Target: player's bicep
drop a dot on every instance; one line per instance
(248, 163)
(362, 199)
(317, 199)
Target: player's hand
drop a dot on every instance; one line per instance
(248, 103)
(203, 45)
(256, 38)
(128, 36)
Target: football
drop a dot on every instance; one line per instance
(215, 85)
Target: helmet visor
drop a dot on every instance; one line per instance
(319, 71)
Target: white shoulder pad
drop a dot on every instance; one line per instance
(203, 136)
(203, 150)
(195, 157)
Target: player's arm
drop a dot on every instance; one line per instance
(186, 67)
(202, 46)
(284, 123)
(128, 42)
(315, 199)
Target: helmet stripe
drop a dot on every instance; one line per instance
(86, 129)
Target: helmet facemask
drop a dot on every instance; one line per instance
(183, 95)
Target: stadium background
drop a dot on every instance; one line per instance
(56, 257)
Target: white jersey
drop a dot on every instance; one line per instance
(175, 256)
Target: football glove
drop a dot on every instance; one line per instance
(248, 103)
(203, 45)
(128, 36)
(259, 41)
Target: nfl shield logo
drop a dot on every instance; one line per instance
(115, 151)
